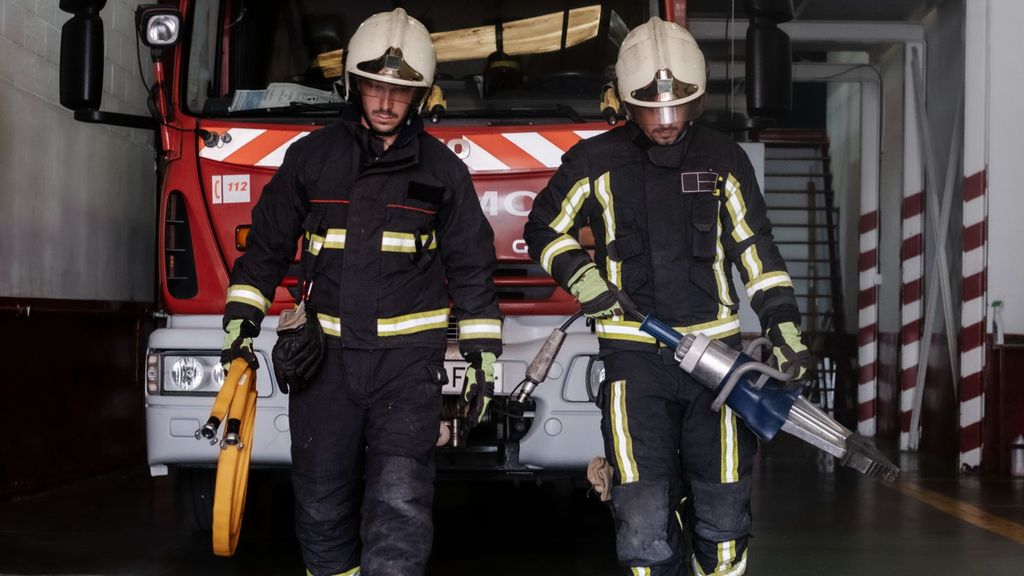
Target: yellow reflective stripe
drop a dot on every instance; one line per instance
(330, 324)
(752, 262)
(412, 323)
(245, 294)
(621, 439)
(766, 281)
(737, 569)
(640, 571)
(405, 242)
(737, 210)
(605, 198)
(560, 245)
(729, 444)
(334, 239)
(721, 280)
(571, 206)
(726, 554)
(629, 330)
(352, 572)
(479, 328)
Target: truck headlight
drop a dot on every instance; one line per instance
(158, 27)
(191, 374)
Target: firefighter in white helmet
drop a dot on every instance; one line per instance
(673, 207)
(392, 233)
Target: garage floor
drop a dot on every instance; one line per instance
(808, 520)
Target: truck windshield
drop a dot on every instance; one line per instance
(284, 58)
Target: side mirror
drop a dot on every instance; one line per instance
(81, 56)
(158, 27)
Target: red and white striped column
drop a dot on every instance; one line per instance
(911, 295)
(867, 317)
(911, 253)
(975, 231)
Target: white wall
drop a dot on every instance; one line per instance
(77, 201)
(1006, 155)
(843, 110)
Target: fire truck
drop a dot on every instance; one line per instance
(235, 82)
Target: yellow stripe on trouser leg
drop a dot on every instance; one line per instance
(621, 439)
(729, 444)
(640, 571)
(732, 569)
(236, 399)
(352, 572)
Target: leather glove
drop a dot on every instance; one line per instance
(478, 386)
(789, 350)
(597, 300)
(238, 335)
(299, 350)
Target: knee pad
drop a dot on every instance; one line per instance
(642, 513)
(721, 511)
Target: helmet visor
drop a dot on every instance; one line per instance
(391, 64)
(385, 91)
(664, 88)
(661, 116)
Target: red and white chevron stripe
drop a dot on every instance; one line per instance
(912, 291)
(973, 287)
(972, 320)
(481, 151)
(867, 318)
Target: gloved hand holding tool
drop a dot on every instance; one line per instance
(238, 335)
(597, 300)
(478, 387)
(299, 349)
(789, 354)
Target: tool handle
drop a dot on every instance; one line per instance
(662, 332)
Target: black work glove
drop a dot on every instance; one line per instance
(478, 387)
(299, 350)
(238, 335)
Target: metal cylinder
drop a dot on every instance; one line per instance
(457, 433)
(1017, 457)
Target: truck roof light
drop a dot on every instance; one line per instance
(158, 27)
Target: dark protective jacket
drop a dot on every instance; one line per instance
(668, 224)
(389, 238)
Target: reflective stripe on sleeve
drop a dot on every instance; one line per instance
(330, 324)
(245, 294)
(628, 330)
(605, 198)
(479, 328)
(571, 206)
(737, 210)
(412, 323)
(405, 242)
(560, 245)
(766, 281)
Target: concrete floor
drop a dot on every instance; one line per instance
(809, 519)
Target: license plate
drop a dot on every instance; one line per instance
(457, 373)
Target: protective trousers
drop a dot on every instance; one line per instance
(372, 411)
(666, 444)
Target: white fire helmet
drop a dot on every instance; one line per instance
(660, 66)
(391, 47)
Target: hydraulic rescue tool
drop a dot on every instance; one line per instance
(236, 402)
(762, 396)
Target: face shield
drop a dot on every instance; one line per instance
(389, 92)
(663, 116)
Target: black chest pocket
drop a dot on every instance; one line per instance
(704, 225)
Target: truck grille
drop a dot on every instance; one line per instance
(179, 259)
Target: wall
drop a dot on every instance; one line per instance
(78, 207)
(1006, 128)
(77, 243)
